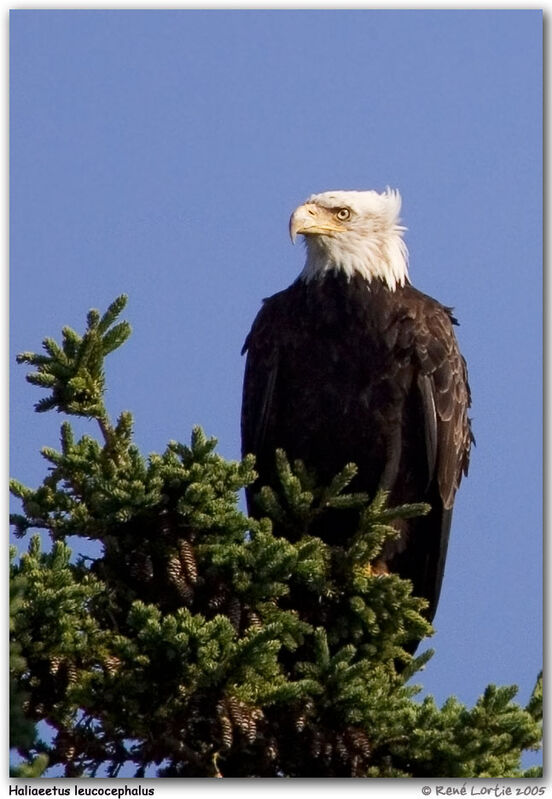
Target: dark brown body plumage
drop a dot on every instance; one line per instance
(344, 370)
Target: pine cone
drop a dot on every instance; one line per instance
(188, 561)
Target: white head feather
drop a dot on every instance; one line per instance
(369, 242)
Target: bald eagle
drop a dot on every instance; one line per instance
(351, 363)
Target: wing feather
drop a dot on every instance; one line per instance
(427, 394)
(441, 396)
(443, 376)
(261, 371)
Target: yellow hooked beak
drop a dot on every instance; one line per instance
(311, 220)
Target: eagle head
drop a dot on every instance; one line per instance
(355, 232)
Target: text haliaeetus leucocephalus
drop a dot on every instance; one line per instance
(353, 364)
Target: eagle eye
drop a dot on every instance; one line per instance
(343, 214)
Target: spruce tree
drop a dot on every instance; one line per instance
(197, 643)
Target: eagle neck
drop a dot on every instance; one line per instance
(382, 257)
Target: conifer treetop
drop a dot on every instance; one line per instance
(198, 643)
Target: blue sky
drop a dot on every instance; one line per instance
(161, 153)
